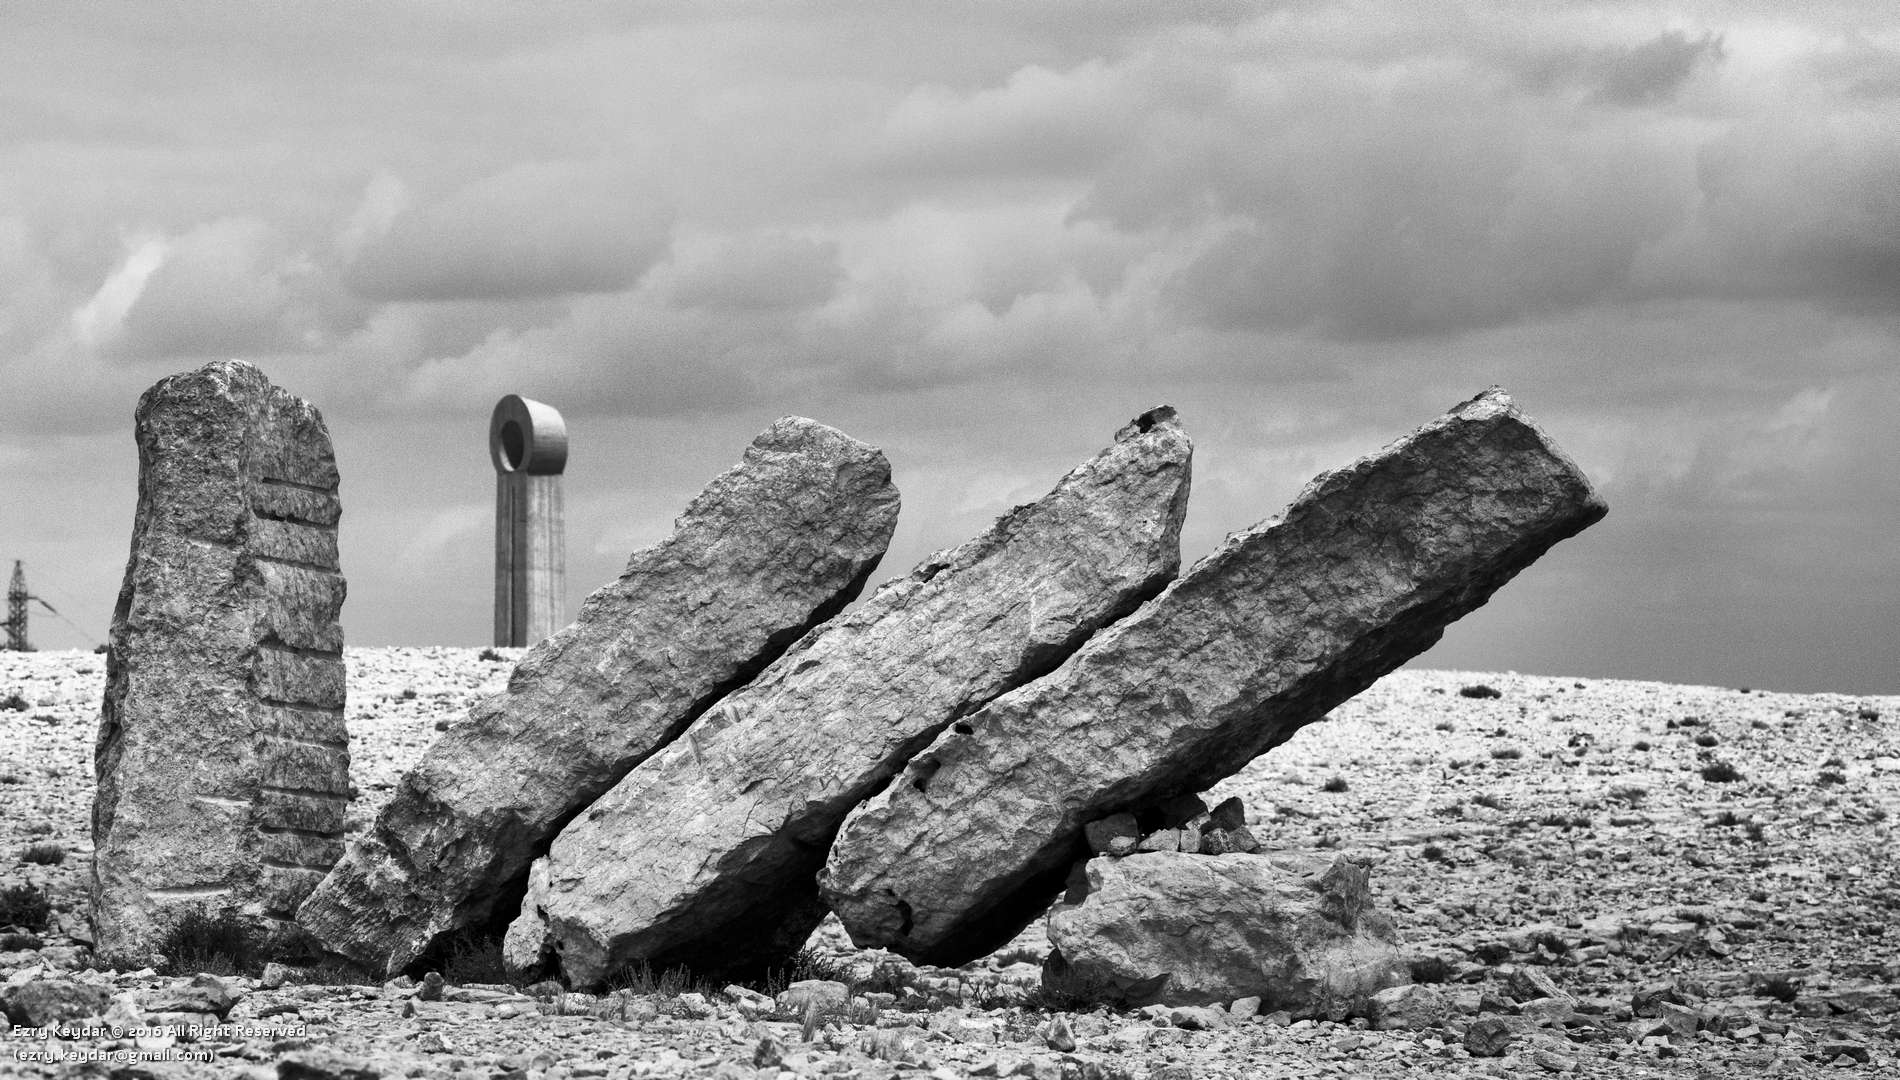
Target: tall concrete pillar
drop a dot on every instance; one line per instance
(528, 442)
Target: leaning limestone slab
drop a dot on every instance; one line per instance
(1297, 930)
(1286, 620)
(705, 854)
(772, 547)
(223, 763)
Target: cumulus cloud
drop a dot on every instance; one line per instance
(759, 272)
(984, 241)
(234, 287)
(101, 318)
(544, 228)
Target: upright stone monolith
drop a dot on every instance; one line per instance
(223, 762)
(774, 546)
(1286, 620)
(527, 441)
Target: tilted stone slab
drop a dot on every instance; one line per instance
(1285, 621)
(706, 853)
(223, 763)
(772, 547)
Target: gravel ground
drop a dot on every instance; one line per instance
(1719, 856)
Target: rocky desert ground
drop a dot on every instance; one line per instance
(1601, 878)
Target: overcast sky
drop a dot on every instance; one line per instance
(982, 237)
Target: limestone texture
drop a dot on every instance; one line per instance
(1286, 620)
(774, 546)
(222, 758)
(706, 853)
(1296, 930)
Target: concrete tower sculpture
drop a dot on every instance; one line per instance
(528, 442)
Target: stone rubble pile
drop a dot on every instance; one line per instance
(1782, 969)
(1519, 1017)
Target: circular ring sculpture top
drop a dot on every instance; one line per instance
(526, 436)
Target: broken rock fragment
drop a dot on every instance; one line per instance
(1286, 620)
(705, 854)
(223, 763)
(772, 547)
(1296, 930)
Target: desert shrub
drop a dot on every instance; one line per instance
(1629, 793)
(1489, 800)
(1686, 721)
(475, 958)
(12, 778)
(1720, 772)
(1727, 819)
(1640, 744)
(1706, 738)
(642, 980)
(1434, 853)
(1830, 776)
(1833, 763)
(332, 972)
(1755, 831)
(812, 964)
(44, 854)
(1444, 725)
(409, 693)
(15, 702)
(1020, 954)
(491, 656)
(1868, 712)
(26, 907)
(219, 944)
(1335, 784)
(1506, 753)
(1479, 690)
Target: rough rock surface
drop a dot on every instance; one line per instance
(1296, 930)
(706, 853)
(770, 548)
(1592, 851)
(1283, 622)
(222, 760)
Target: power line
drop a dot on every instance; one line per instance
(64, 598)
(16, 622)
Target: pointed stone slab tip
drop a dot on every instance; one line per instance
(1286, 620)
(774, 546)
(223, 763)
(706, 853)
